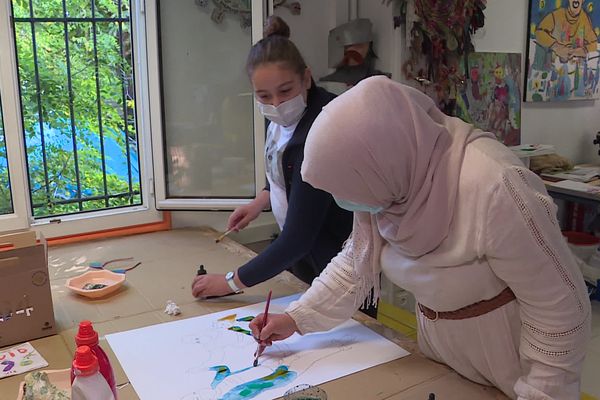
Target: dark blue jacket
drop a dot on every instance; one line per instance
(315, 227)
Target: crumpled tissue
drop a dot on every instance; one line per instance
(172, 308)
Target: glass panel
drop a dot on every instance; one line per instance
(207, 102)
(6, 206)
(78, 103)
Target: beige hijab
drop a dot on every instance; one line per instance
(385, 144)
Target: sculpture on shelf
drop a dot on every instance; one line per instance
(350, 47)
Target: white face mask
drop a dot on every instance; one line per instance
(287, 113)
(350, 206)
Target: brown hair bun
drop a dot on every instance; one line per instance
(276, 26)
(275, 47)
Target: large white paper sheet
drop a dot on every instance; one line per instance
(210, 357)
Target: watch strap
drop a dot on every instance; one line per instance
(229, 278)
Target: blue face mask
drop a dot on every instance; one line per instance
(350, 206)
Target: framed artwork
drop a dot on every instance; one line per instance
(562, 50)
(490, 99)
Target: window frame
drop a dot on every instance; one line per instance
(9, 89)
(79, 223)
(163, 202)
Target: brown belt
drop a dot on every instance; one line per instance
(473, 310)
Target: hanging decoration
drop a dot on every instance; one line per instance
(439, 34)
(242, 9)
(294, 6)
(399, 11)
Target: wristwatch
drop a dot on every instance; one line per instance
(229, 278)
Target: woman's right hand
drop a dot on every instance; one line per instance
(278, 327)
(242, 216)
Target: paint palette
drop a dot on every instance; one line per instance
(95, 284)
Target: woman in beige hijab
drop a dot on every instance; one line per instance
(450, 214)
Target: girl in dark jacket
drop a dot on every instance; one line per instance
(313, 227)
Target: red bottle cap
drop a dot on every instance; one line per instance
(86, 335)
(85, 362)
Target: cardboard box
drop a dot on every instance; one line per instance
(26, 310)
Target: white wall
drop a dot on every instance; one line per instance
(309, 32)
(570, 126)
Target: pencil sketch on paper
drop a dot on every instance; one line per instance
(272, 372)
(208, 360)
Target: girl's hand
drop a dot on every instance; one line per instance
(210, 285)
(242, 216)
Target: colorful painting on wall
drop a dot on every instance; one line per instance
(490, 99)
(562, 50)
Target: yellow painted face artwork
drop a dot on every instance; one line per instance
(575, 7)
(499, 73)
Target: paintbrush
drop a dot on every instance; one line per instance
(261, 347)
(217, 240)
